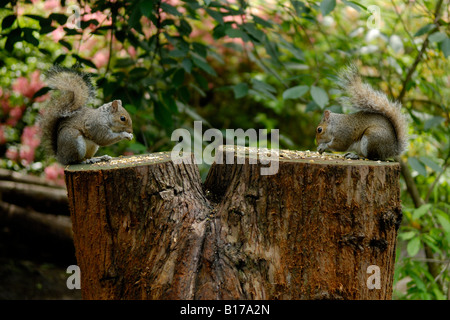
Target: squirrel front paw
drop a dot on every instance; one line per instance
(97, 159)
(321, 148)
(126, 135)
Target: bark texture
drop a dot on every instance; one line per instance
(149, 229)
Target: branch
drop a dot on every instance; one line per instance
(410, 184)
(435, 182)
(419, 56)
(36, 223)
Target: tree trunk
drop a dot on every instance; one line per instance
(320, 228)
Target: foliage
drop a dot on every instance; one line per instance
(246, 64)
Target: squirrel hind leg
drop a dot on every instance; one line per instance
(351, 155)
(71, 147)
(375, 144)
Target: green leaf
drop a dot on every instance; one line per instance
(28, 37)
(319, 96)
(431, 164)
(138, 73)
(163, 115)
(124, 62)
(425, 29)
(445, 47)
(355, 5)
(215, 14)
(175, 53)
(240, 90)
(60, 59)
(8, 21)
(59, 17)
(84, 61)
(413, 246)
(204, 66)
(254, 32)
(262, 86)
(200, 49)
(178, 78)
(295, 92)
(262, 22)
(418, 166)
(201, 80)
(326, 6)
(419, 212)
(169, 102)
(184, 28)
(444, 221)
(437, 37)
(170, 9)
(431, 243)
(407, 235)
(146, 8)
(41, 92)
(187, 65)
(237, 33)
(13, 37)
(65, 44)
(137, 147)
(433, 122)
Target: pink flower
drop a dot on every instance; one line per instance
(15, 114)
(55, 172)
(2, 134)
(31, 136)
(51, 4)
(4, 102)
(26, 154)
(27, 87)
(102, 18)
(132, 51)
(58, 33)
(88, 45)
(12, 153)
(101, 58)
(21, 86)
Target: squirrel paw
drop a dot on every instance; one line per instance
(351, 155)
(97, 159)
(321, 148)
(126, 135)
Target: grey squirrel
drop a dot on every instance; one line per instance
(71, 130)
(377, 132)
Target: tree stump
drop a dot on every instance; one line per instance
(322, 227)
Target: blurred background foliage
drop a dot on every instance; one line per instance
(246, 64)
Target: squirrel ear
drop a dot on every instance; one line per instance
(115, 105)
(326, 114)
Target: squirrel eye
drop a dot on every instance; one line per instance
(122, 118)
(319, 129)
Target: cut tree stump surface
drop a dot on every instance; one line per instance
(147, 228)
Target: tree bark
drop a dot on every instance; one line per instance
(39, 225)
(145, 228)
(41, 198)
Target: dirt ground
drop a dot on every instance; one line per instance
(34, 269)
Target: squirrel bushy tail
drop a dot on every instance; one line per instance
(363, 97)
(75, 90)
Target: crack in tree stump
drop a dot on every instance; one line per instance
(146, 228)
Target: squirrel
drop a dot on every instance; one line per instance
(72, 131)
(377, 132)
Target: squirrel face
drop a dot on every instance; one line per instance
(121, 120)
(321, 131)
